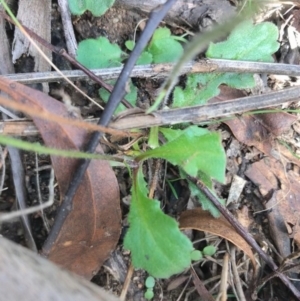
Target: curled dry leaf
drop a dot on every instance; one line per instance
(91, 231)
(200, 220)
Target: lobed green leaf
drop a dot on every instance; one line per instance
(247, 42)
(164, 47)
(99, 53)
(96, 7)
(194, 150)
(154, 239)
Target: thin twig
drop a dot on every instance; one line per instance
(63, 53)
(224, 279)
(3, 167)
(161, 70)
(244, 233)
(68, 27)
(200, 287)
(45, 221)
(236, 277)
(8, 216)
(18, 176)
(126, 283)
(155, 178)
(115, 98)
(196, 114)
(184, 288)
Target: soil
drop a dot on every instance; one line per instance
(119, 25)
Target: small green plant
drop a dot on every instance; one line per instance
(100, 53)
(156, 243)
(247, 42)
(96, 7)
(149, 283)
(154, 239)
(209, 250)
(196, 255)
(163, 48)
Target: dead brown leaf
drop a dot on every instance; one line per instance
(261, 175)
(91, 231)
(269, 174)
(243, 217)
(33, 110)
(257, 130)
(200, 220)
(175, 283)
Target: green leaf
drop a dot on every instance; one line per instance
(150, 282)
(247, 42)
(77, 7)
(202, 87)
(194, 151)
(130, 45)
(149, 294)
(99, 53)
(171, 134)
(209, 250)
(145, 58)
(164, 47)
(206, 204)
(96, 7)
(196, 255)
(154, 239)
(153, 137)
(131, 96)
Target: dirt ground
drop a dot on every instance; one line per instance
(258, 185)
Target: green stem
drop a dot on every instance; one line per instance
(40, 149)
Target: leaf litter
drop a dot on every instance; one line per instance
(92, 229)
(270, 174)
(266, 147)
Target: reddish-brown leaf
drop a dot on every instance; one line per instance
(91, 231)
(200, 220)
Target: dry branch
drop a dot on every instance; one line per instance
(198, 14)
(35, 14)
(196, 114)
